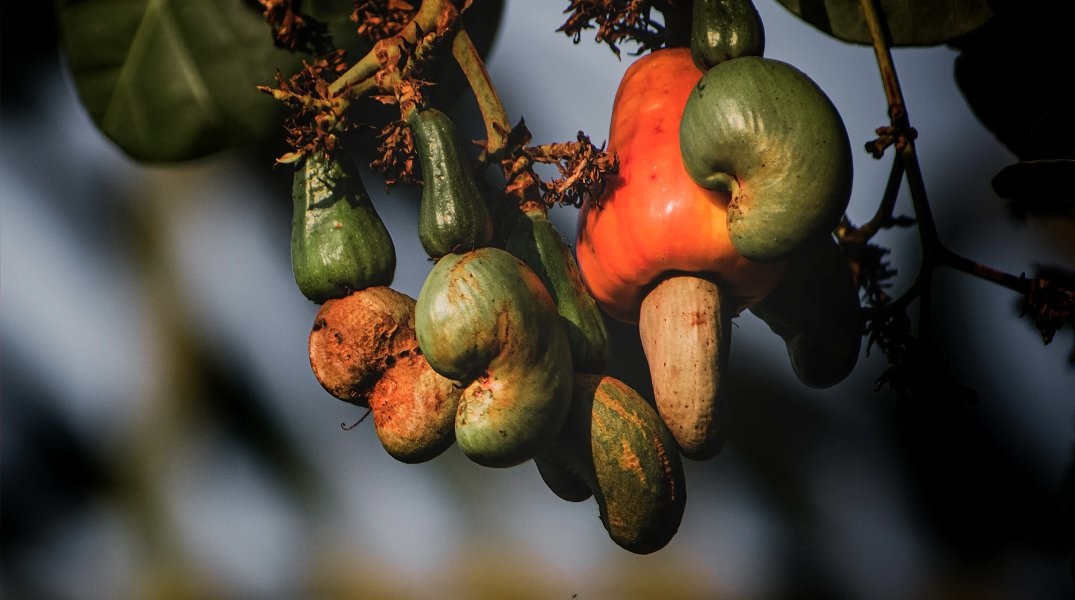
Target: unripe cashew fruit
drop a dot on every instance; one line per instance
(816, 310)
(485, 320)
(763, 131)
(615, 446)
(363, 350)
(453, 215)
(338, 241)
(535, 241)
(725, 29)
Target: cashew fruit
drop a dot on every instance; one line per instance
(363, 350)
(652, 219)
(763, 131)
(816, 310)
(535, 241)
(485, 320)
(725, 29)
(616, 445)
(338, 241)
(453, 215)
(654, 249)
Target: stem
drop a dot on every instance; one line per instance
(497, 126)
(358, 80)
(1001, 278)
(897, 110)
(883, 216)
(934, 253)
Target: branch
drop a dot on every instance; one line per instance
(1051, 300)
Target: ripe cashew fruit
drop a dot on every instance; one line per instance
(535, 241)
(761, 130)
(655, 232)
(485, 320)
(615, 446)
(453, 215)
(725, 29)
(338, 241)
(816, 310)
(363, 350)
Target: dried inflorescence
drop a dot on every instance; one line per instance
(380, 19)
(1050, 302)
(583, 168)
(397, 154)
(616, 21)
(293, 30)
(316, 119)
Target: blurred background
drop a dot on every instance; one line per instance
(163, 437)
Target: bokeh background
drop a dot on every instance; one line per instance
(163, 437)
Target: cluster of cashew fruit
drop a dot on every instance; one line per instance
(734, 171)
(503, 352)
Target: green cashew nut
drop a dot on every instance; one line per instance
(485, 320)
(338, 242)
(816, 310)
(615, 446)
(762, 130)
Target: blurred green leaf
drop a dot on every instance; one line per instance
(1038, 187)
(1015, 75)
(911, 22)
(172, 80)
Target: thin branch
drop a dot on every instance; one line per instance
(497, 126)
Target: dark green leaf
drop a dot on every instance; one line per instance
(174, 79)
(911, 22)
(1038, 187)
(1015, 74)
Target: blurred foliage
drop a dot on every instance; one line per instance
(175, 80)
(910, 22)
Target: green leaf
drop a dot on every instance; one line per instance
(1015, 74)
(1038, 187)
(171, 80)
(911, 22)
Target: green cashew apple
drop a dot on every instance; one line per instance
(485, 320)
(725, 29)
(535, 241)
(615, 446)
(765, 132)
(453, 215)
(816, 310)
(363, 350)
(338, 241)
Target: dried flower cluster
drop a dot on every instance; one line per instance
(293, 30)
(583, 169)
(1050, 303)
(315, 120)
(616, 21)
(381, 19)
